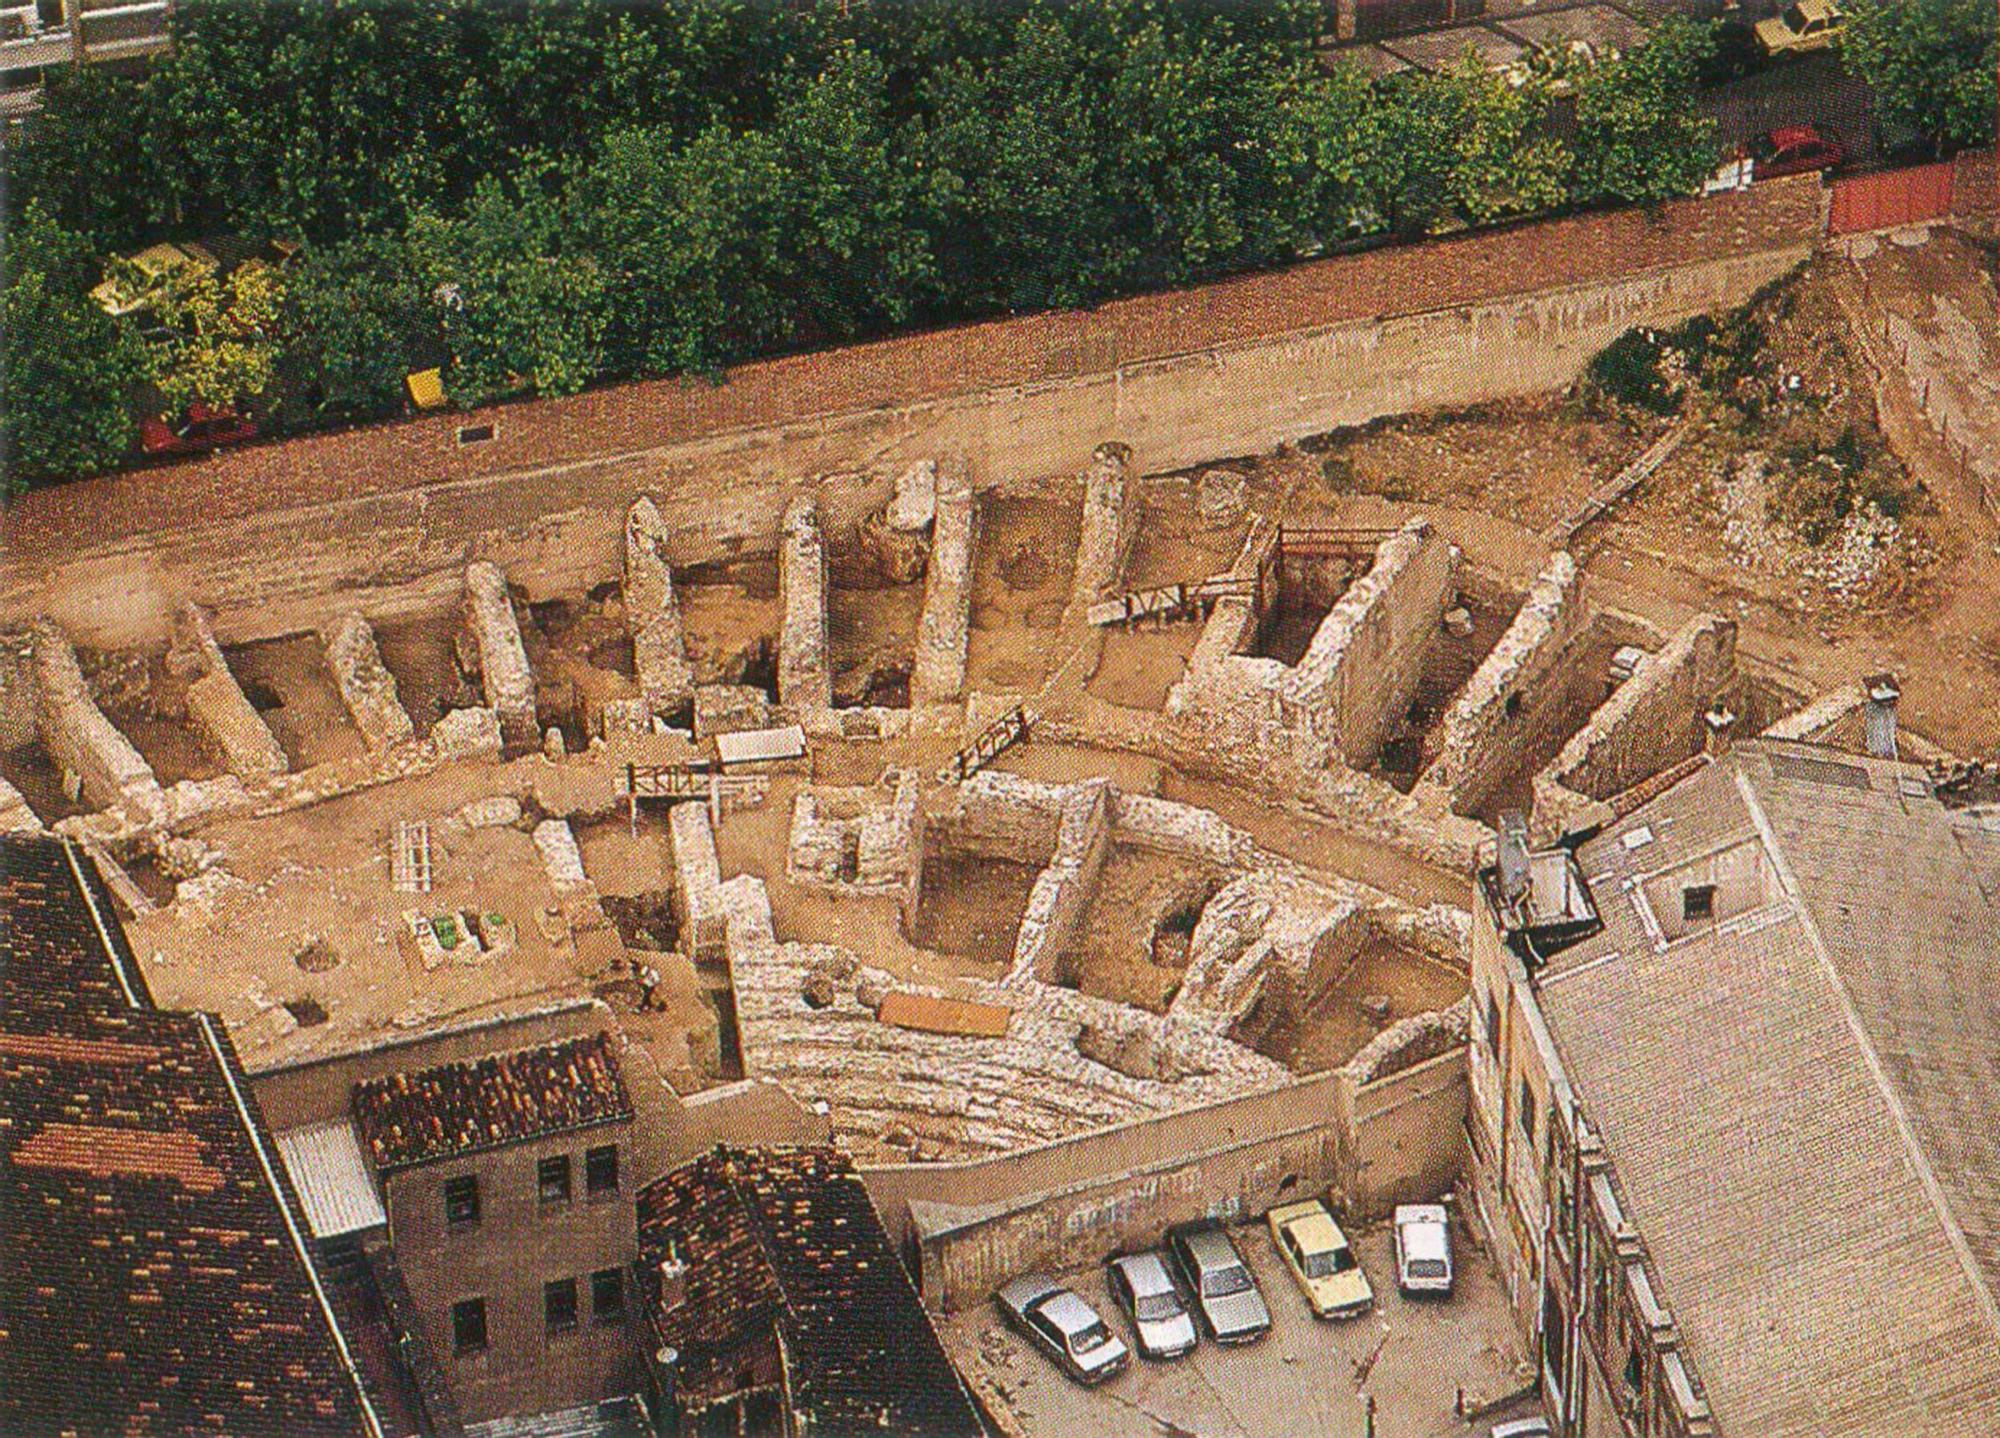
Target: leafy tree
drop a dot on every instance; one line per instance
(68, 368)
(690, 241)
(1331, 142)
(357, 319)
(1465, 146)
(87, 158)
(515, 309)
(221, 347)
(1640, 134)
(1931, 64)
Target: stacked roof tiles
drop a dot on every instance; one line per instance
(153, 1274)
(459, 1108)
(789, 1237)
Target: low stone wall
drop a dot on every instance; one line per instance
(1063, 891)
(653, 613)
(805, 679)
(1512, 693)
(221, 716)
(1653, 720)
(366, 686)
(938, 676)
(697, 883)
(1366, 658)
(1004, 816)
(503, 659)
(78, 736)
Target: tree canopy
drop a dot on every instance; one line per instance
(1931, 63)
(535, 197)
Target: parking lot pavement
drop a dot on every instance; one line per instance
(1305, 1377)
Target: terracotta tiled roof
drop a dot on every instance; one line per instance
(789, 1236)
(473, 1104)
(152, 1277)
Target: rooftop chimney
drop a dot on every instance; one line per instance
(1882, 696)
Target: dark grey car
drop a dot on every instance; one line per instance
(1141, 1285)
(1064, 1327)
(1219, 1283)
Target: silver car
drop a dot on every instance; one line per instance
(1219, 1283)
(1063, 1326)
(1141, 1285)
(1423, 1248)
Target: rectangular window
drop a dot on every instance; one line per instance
(474, 433)
(559, 1305)
(1528, 1110)
(461, 1200)
(552, 1179)
(600, 1169)
(1698, 902)
(607, 1294)
(468, 1325)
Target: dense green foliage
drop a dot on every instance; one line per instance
(1931, 63)
(538, 196)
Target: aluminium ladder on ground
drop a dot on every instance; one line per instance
(993, 741)
(410, 856)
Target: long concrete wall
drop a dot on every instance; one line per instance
(281, 538)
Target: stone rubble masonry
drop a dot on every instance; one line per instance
(503, 659)
(1112, 505)
(15, 815)
(938, 676)
(1514, 684)
(1004, 816)
(556, 843)
(898, 537)
(1061, 897)
(366, 686)
(1366, 658)
(1816, 719)
(697, 898)
(1260, 937)
(653, 613)
(1652, 720)
(869, 847)
(224, 720)
(957, 1095)
(78, 737)
(805, 679)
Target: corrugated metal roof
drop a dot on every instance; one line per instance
(751, 746)
(325, 1162)
(944, 1016)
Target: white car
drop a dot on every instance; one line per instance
(1423, 1248)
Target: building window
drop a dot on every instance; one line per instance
(461, 1200)
(559, 1305)
(600, 1169)
(1698, 902)
(1528, 1109)
(552, 1179)
(474, 433)
(468, 1325)
(607, 1294)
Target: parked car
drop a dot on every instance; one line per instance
(1321, 1259)
(1218, 1283)
(1800, 28)
(203, 428)
(1793, 150)
(1063, 1326)
(1523, 1428)
(1423, 1248)
(1141, 1285)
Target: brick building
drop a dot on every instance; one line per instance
(155, 1273)
(1732, 1103)
(508, 1184)
(775, 1304)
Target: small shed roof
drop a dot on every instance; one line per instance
(933, 1015)
(756, 746)
(332, 1178)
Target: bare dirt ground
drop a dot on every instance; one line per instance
(1021, 574)
(1133, 946)
(287, 681)
(418, 653)
(731, 614)
(1385, 983)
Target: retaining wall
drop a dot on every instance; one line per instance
(278, 538)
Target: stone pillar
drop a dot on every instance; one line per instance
(78, 736)
(939, 673)
(228, 724)
(1111, 508)
(366, 685)
(805, 678)
(653, 613)
(503, 659)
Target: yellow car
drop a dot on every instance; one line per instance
(1321, 1260)
(1800, 28)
